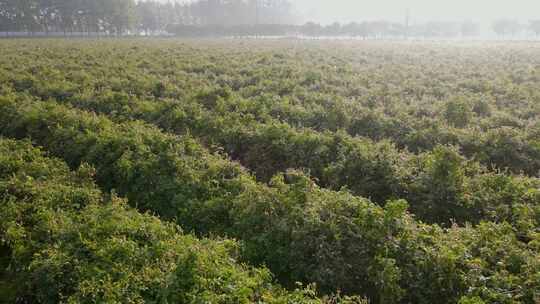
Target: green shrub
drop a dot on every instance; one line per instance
(457, 113)
(65, 242)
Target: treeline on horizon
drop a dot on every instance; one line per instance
(211, 18)
(119, 17)
(504, 28)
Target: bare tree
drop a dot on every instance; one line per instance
(506, 27)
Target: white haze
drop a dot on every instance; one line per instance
(482, 11)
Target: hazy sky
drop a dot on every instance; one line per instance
(327, 11)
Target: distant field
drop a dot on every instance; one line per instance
(399, 172)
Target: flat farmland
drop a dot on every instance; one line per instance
(267, 170)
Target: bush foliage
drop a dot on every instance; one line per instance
(364, 170)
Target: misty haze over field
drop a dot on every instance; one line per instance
(363, 19)
(343, 11)
(483, 11)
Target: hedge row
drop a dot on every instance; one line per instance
(482, 99)
(300, 231)
(63, 241)
(441, 186)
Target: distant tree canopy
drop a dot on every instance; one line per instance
(507, 27)
(123, 16)
(215, 18)
(112, 16)
(534, 26)
(366, 30)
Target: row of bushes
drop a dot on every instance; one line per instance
(277, 105)
(300, 231)
(199, 31)
(64, 241)
(490, 114)
(441, 186)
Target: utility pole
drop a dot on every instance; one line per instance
(407, 22)
(256, 12)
